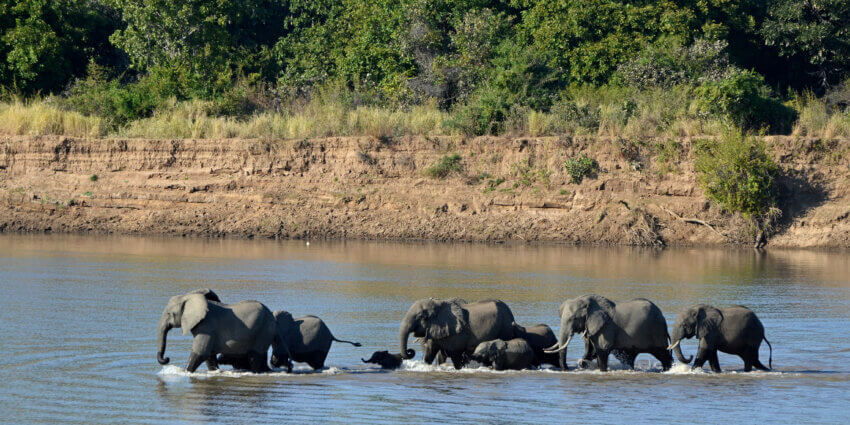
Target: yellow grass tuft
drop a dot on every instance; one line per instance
(41, 118)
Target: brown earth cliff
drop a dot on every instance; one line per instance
(508, 189)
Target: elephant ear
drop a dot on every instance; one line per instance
(597, 318)
(207, 293)
(195, 308)
(447, 320)
(708, 322)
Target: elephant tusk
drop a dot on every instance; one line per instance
(672, 346)
(556, 350)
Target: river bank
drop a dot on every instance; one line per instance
(498, 189)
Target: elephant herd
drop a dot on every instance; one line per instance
(485, 331)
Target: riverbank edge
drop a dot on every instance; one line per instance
(503, 189)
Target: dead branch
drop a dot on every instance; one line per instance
(692, 221)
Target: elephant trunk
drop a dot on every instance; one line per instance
(403, 332)
(164, 327)
(677, 348)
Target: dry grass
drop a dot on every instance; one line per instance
(189, 120)
(619, 112)
(39, 117)
(816, 120)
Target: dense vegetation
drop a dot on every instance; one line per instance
(291, 68)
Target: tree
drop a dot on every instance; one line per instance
(818, 31)
(207, 41)
(45, 43)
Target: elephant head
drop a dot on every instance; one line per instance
(702, 321)
(490, 353)
(431, 319)
(183, 311)
(590, 314)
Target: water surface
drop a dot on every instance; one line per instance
(78, 317)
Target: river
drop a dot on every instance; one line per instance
(78, 318)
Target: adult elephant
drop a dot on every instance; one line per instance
(732, 330)
(244, 329)
(631, 327)
(454, 327)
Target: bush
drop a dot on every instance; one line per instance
(743, 99)
(580, 167)
(737, 173)
(121, 103)
(446, 165)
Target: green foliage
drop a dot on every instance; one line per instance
(527, 174)
(206, 43)
(737, 173)
(446, 165)
(121, 103)
(813, 30)
(45, 43)
(580, 167)
(743, 98)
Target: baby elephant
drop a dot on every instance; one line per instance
(514, 354)
(388, 360)
(733, 330)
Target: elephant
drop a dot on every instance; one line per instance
(454, 327)
(307, 338)
(732, 330)
(515, 354)
(631, 327)
(388, 360)
(539, 337)
(431, 351)
(246, 329)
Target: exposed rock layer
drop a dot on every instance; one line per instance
(509, 189)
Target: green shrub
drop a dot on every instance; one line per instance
(737, 173)
(744, 99)
(444, 166)
(580, 167)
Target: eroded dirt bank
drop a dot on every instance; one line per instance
(509, 189)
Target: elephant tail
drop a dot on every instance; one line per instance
(770, 359)
(356, 344)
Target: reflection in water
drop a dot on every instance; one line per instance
(79, 316)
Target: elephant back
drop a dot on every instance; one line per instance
(642, 323)
(490, 319)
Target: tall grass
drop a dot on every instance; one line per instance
(319, 119)
(817, 120)
(603, 111)
(39, 117)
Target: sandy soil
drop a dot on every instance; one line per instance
(509, 189)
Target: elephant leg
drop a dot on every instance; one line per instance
(713, 362)
(317, 360)
(664, 356)
(428, 356)
(441, 357)
(457, 360)
(703, 353)
(195, 360)
(201, 350)
(212, 362)
(589, 355)
(602, 360)
(758, 364)
(259, 362)
(627, 358)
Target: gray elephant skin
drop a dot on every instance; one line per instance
(308, 339)
(246, 329)
(631, 327)
(388, 360)
(454, 327)
(732, 330)
(514, 354)
(539, 337)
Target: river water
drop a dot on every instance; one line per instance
(78, 319)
